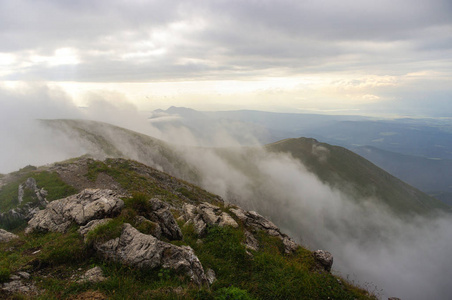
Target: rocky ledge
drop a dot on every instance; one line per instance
(92, 208)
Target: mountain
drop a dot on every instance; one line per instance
(432, 176)
(345, 169)
(119, 229)
(323, 196)
(414, 150)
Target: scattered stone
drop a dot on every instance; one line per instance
(93, 275)
(24, 275)
(162, 215)
(136, 249)
(90, 204)
(18, 286)
(14, 277)
(210, 275)
(324, 258)
(6, 236)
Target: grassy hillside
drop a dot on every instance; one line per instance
(432, 176)
(353, 174)
(55, 260)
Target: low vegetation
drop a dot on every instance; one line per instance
(56, 261)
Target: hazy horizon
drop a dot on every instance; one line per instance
(378, 58)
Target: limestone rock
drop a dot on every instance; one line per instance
(91, 225)
(30, 184)
(211, 277)
(257, 222)
(16, 285)
(206, 214)
(28, 210)
(250, 241)
(145, 251)
(324, 259)
(227, 220)
(162, 215)
(90, 204)
(6, 236)
(93, 275)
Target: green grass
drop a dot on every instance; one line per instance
(54, 258)
(268, 274)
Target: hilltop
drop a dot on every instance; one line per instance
(209, 249)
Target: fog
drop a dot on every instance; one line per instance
(387, 254)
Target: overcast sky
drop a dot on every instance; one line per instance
(382, 57)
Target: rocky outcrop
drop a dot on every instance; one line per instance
(6, 236)
(136, 249)
(31, 185)
(324, 259)
(20, 284)
(255, 221)
(206, 214)
(81, 208)
(28, 210)
(161, 214)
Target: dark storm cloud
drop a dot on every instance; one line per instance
(220, 39)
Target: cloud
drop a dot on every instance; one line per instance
(383, 252)
(136, 41)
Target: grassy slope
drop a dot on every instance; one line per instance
(344, 168)
(269, 275)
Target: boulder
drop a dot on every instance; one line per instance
(162, 215)
(90, 204)
(206, 214)
(324, 259)
(140, 250)
(6, 236)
